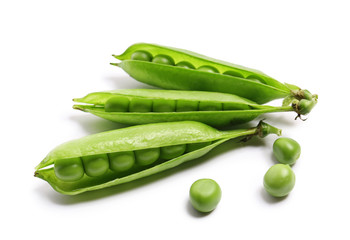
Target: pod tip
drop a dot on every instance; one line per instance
(77, 107)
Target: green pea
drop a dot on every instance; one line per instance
(234, 74)
(185, 64)
(286, 150)
(95, 165)
(164, 105)
(141, 56)
(117, 104)
(279, 180)
(121, 161)
(209, 106)
(163, 59)
(205, 195)
(148, 156)
(69, 169)
(171, 152)
(195, 146)
(140, 105)
(208, 69)
(255, 78)
(186, 106)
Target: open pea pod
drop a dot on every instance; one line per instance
(123, 155)
(173, 68)
(141, 106)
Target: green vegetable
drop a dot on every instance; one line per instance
(132, 153)
(205, 195)
(121, 161)
(141, 106)
(279, 180)
(163, 59)
(286, 150)
(180, 69)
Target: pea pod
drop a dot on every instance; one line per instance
(123, 155)
(141, 106)
(172, 68)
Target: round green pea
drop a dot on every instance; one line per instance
(117, 104)
(140, 105)
(185, 64)
(205, 195)
(164, 105)
(279, 180)
(209, 106)
(233, 73)
(208, 69)
(255, 78)
(95, 165)
(141, 56)
(121, 161)
(163, 59)
(148, 156)
(286, 150)
(69, 170)
(186, 106)
(171, 152)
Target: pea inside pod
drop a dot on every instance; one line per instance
(123, 155)
(141, 106)
(180, 69)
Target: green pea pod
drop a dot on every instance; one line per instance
(123, 155)
(172, 68)
(141, 106)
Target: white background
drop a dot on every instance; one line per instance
(52, 51)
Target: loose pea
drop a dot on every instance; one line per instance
(185, 64)
(121, 161)
(279, 180)
(148, 156)
(140, 105)
(210, 106)
(234, 74)
(208, 69)
(69, 169)
(163, 59)
(171, 152)
(95, 165)
(117, 104)
(141, 56)
(195, 146)
(164, 105)
(186, 106)
(205, 195)
(286, 150)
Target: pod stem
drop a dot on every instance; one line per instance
(263, 129)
